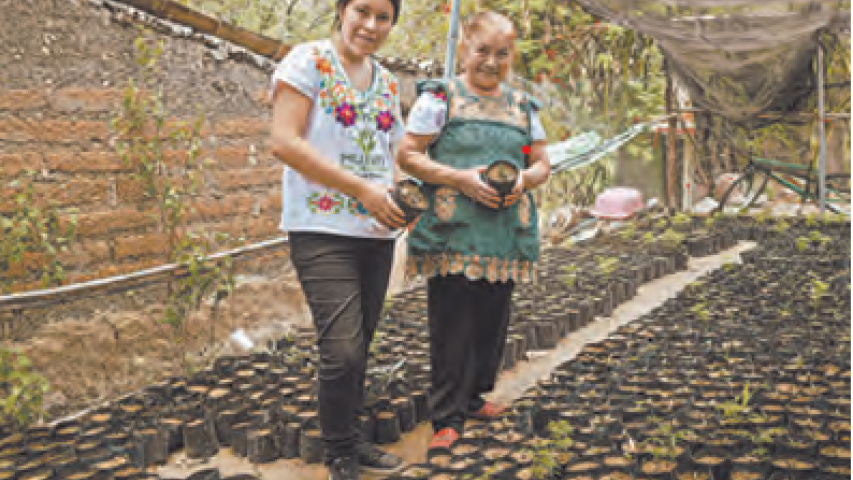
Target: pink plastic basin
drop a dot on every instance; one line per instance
(617, 203)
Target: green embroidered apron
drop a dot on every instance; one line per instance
(458, 235)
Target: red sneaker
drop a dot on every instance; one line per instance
(489, 411)
(443, 439)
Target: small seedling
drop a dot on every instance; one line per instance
(802, 244)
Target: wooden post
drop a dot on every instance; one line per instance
(671, 139)
(821, 165)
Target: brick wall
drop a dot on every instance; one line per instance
(65, 65)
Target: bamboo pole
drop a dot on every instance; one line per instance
(671, 139)
(821, 162)
(121, 283)
(768, 114)
(452, 40)
(173, 11)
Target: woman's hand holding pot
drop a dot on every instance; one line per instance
(517, 191)
(470, 183)
(377, 200)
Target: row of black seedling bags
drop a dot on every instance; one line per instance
(729, 393)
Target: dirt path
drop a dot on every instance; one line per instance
(510, 386)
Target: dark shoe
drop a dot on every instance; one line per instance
(489, 411)
(374, 460)
(343, 468)
(443, 439)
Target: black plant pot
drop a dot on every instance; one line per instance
(311, 448)
(658, 469)
(788, 468)
(502, 176)
(387, 427)
(582, 468)
(713, 462)
(107, 468)
(289, 443)
(420, 471)
(152, 447)
(200, 439)
(409, 196)
(205, 474)
(261, 445)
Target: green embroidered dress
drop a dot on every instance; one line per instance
(458, 235)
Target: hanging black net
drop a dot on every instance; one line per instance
(751, 62)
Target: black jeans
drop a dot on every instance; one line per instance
(345, 280)
(468, 322)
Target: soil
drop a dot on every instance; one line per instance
(412, 196)
(502, 173)
(101, 348)
(115, 352)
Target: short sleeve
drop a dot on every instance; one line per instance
(537, 131)
(299, 70)
(399, 126)
(399, 130)
(428, 114)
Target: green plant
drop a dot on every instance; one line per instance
(21, 390)
(811, 220)
(628, 232)
(672, 239)
(663, 444)
(818, 289)
(802, 244)
(681, 218)
(607, 265)
(545, 456)
(33, 236)
(738, 409)
(570, 279)
(701, 311)
(147, 137)
(781, 226)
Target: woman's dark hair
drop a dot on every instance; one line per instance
(341, 5)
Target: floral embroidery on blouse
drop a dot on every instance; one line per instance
(345, 114)
(339, 99)
(354, 207)
(323, 65)
(325, 202)
(363, 115)
(385, 121)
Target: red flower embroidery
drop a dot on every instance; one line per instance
(325, 203)
(323, 65)
(345, 114)
(384, 121)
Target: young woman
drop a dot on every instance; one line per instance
(472, 244)
(336, 125)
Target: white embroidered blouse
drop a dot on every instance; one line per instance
(359, 130)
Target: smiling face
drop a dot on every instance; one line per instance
(487, 55)
(364, 25)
